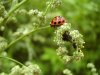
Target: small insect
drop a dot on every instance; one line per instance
(57, 21)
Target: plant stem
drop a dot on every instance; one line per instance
(12, 10)
(29, 48)
(13, 42)
(48, 7)
(13, 60)
(16, 7)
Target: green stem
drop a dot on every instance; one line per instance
(13, 60)
(12, 10)
(48, 7)
(29, 48)
(16, 7)
(13, 42)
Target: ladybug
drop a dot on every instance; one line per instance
(57, 21)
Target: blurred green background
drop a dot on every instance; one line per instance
(39, 48)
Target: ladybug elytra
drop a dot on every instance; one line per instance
(57, 21)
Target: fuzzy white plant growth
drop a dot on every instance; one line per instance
(30, 69)
(65, 34)
(93, 69)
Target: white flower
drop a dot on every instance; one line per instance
(40, 14)
(3, 73)
(56, 3)
(77, 38)
(61, 51)
(90, 65)
(1, 20)
(31, 69)
(93, 69)
(67, 72)
(59, 32)
(16, 71)
(66, 58)
(3, 43)
(65, 34)
(33, 12)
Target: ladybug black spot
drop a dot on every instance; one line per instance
(54, 22)
(59, 22)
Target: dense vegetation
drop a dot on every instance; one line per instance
(26, 37)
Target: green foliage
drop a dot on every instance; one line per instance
(25, 35)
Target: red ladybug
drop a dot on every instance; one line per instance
(57, 21)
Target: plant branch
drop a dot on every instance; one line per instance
(12, 60)
(13, 42)
(16, 7)
(12, 10)
(48, 7)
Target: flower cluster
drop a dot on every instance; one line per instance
(40, 15)
(3, 44)
(63, 35)
(2, 13)
(67, 72)
(2, 9)
(1, 20)
(56, 3)
(23, 30)
(36, 18)
(30, 69)
(31, 13)
(18, 23)
(77, 38)
(93, 69)
(36, 12)
(59, 32)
